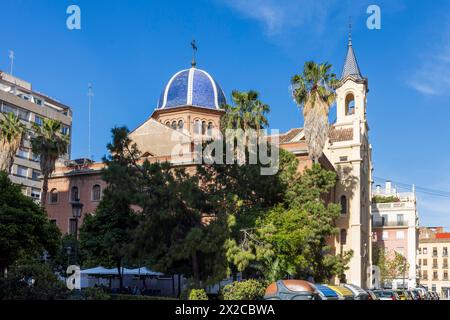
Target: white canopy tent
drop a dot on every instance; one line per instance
(99, 271)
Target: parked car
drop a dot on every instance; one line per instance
(291, 290)
(358, 292)
(433, 295)
(418, 294)
(386, 295)
(422, 292)
(325, 293)
(402, 294)
(372, 295)
(409, 295)
(429, 295)
(342, 292)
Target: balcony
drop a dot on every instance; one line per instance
(379, 224)
(435, 266)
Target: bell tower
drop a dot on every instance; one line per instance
(350, 152)
(352, 91)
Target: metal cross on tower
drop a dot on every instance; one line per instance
(194, 50)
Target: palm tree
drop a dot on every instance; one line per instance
(313, 90)
(247, 113)
(11, 137)
(49, 144)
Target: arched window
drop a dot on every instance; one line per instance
(343, 237)
(203, 127)
(197, 127)
(349, 104)
(174, 125)
(53, 196)
(180, 125)
(210, 128)
(343, 205)
(96, 192)
(168, 123)
(74, 194)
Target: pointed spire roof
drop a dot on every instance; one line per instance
(351, 67)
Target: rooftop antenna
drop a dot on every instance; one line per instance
(90, 95)
(194, 50)
(11, 58)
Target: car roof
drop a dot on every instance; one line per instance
(326, 291)
(341, 290)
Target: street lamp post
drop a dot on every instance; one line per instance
(404, 272)
(77, 208)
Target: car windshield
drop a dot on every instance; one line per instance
(384, 294)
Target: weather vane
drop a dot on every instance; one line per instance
(194, 50)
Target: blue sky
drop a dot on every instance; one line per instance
(129, 50)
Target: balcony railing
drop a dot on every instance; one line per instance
(378, 224)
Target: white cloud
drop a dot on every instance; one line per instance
(433, 75)
(278, 16)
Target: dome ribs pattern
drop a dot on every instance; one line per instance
(192, 87)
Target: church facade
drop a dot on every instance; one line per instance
(190, 108)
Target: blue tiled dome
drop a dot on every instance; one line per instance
(192, 87)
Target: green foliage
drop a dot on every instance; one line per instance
(133, 297)
(198, 294)
(290, 239)
(391, 263)
(314, 79)
(106, 236)
(12, 131)
(95, 294)
(385, 199)
(25, 231)
(248, 112)
(31, 281)
(49, 144)
(313, 91)
(244, 290)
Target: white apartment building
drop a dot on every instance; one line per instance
(395, 225)
(18, 97)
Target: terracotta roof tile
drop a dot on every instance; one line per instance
(291, 134)
(337, 135)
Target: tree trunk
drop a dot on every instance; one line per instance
(195, 269)
(44, 190)
(119, 268)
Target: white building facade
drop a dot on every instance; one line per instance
(395, 223)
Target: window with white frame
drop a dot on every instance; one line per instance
(400, 235)
(385, 235)
(22, 171)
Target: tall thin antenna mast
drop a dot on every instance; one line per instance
(11, 58)
(90, 95)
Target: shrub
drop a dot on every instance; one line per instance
(244, 290)
(95, 294)
(385, 199)
(198, 294)
(133, 297)
(32, 281)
